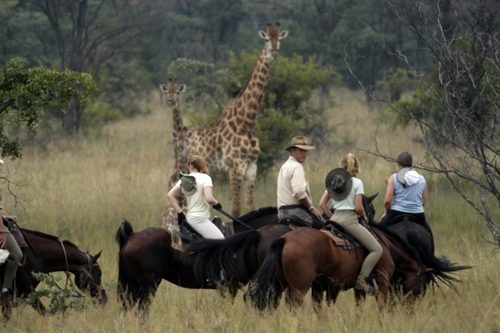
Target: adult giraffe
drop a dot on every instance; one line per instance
(229, 144)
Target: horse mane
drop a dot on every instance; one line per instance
(50, 237)
(253, 215)
(412, 252)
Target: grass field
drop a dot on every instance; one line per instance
(81, 190)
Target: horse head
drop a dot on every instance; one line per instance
(369, 208)
(88, 278)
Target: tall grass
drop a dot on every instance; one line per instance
(81, 189)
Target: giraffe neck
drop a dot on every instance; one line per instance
(176, 112)
(249, 101)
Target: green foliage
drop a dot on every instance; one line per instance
(61, 300)
(26, 92)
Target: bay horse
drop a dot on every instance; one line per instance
(47, 254)
(147, 257)
(306, 256)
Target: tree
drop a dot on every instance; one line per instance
(26, 92)
(83, 36)
(457, 103)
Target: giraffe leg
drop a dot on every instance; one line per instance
(236, 180)
(249, 184)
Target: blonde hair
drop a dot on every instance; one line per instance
(351, 164)
(198, 163)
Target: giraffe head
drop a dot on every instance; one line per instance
(181, 140)
(273, 38)
(172, 90)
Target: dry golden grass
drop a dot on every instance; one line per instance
(81, 189)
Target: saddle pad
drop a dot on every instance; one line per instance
(339, 241)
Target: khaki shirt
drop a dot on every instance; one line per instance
(292, 184)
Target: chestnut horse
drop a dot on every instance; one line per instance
(46, 254)
(307, 256)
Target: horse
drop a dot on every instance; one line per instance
(306, 256)
(147, 257)
(47, 254)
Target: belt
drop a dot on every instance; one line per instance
(293, 207)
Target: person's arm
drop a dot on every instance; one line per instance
(207, 192)
(172, 198)
(358, 206)
(424, 196)
(323, 204)
(389, 196)
(308, 204)
(3, 233)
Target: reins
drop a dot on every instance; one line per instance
(235, 219)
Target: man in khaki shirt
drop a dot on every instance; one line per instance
(294, 195)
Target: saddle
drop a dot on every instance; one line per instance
(340, 237)
(292, 222)
(404, 218)
(11, 225)
(189, 235)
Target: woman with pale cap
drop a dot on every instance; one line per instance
(406, 194)
(346, 192)
(197, 187)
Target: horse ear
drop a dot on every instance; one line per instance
(97, 255)
(370, 198)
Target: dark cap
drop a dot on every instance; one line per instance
(338, 183)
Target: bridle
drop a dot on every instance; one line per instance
(91, 274)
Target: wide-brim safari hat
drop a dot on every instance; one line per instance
(338, 183)
(299, 142)
(188, 184)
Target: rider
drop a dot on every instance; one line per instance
(406, 194)
(8, 242)
(197, 187)
(346, 192)
(294, 195)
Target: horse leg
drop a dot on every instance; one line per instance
(317, 296)
(332, 293)
(146, 296)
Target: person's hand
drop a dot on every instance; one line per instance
(181, 217)
(11, 217)
(382, 217)
(217, 206)
(316, 213)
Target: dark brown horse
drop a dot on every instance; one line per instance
(306, 256)
(47, 254)
(146, 257)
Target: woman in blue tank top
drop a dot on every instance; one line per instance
(406, 194)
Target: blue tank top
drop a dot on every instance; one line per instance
(408, 199)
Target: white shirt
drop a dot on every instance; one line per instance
(197, 204)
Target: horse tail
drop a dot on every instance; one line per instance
(438, 269)
(213, 256)
(124, 233)
(124, 283)
(262, 290)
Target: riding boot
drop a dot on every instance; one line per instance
(364, 285)
(6, 298)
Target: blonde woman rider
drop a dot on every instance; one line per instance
(346, 192)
